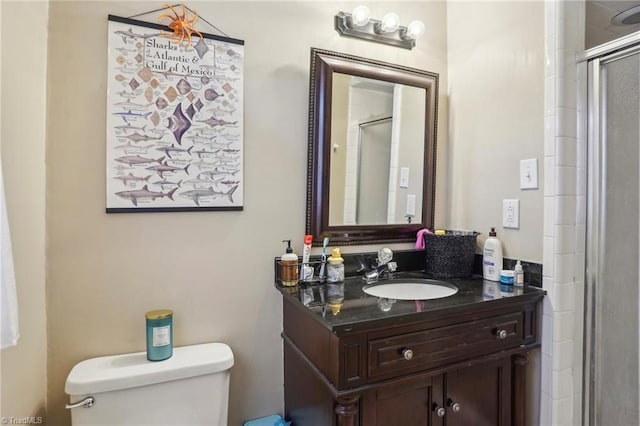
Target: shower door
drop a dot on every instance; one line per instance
(612, 264)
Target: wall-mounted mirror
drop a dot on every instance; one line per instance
(372, 150)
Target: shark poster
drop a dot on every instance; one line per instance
(174, 120)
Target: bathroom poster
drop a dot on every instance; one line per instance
(174, 120)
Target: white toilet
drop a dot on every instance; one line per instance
(190, 388)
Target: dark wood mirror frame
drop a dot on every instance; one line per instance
(323, 65)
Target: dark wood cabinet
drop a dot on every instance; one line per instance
(460, 366)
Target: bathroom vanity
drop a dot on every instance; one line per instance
(354, 359)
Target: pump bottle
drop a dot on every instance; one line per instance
(492, 257)
(289, 266)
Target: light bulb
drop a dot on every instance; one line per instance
(360, 16)
(415, 29)
(390, 22)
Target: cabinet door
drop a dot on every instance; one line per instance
(406, 402)
(479, 395)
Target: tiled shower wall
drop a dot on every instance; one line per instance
(564, 217)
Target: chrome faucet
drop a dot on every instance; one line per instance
(383, 268)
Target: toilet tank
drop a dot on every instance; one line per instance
(190, 388)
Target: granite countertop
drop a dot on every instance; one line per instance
(346, 307)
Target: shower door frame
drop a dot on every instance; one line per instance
(595, 124)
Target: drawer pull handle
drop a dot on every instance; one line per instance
(455, 407)
(440, 411)
(407, 354)
(501, 334)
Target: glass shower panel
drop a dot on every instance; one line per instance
(615, 353)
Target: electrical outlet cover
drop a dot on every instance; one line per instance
(511, 214)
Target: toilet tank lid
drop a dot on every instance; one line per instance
(109, 373)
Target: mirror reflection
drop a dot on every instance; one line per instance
(377, 128)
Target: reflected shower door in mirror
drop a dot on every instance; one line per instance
(372, 146)
(374, 168)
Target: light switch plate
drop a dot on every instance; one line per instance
(529, 173)
(511, 214)
(404, 177)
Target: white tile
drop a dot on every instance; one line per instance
(547, 256)
(576, 417)
(565, 210)
(564, 241)
(581, 181)
(550, 54)
(549, 136)
(562, 382)
(561, 67)
(563, 297)
(579, 273)
(550, 21)
(564, 268)
(565, 180)
(549, 216)
(581, 90)
(566, 119)
(549, 96)
(547, 285)
(562, 355)
(581, 239)
(566, 152)
(549, 177)
(581, 210)
(563, 326)
(545, 409)
(560, 13)
(566, 91)
(546, 374)
(561, 411)
(547, 339)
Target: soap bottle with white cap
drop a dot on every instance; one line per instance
(492, 257)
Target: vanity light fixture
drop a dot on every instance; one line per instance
(358, 24)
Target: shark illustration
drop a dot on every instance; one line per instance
(164, 168)
(196, 194)
(131, 178)
(217, 172)
(136, 159)
(169, 149)
(164, 184)
(138, 194)
(138, 137)
(128, 114)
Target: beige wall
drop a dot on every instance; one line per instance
(496, 96)
(214, 269)
(22, 124)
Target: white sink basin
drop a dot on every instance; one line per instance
(411, 289)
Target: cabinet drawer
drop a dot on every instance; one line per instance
(440, 346)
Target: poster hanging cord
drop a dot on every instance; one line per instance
(186, 7)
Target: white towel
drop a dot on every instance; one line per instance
(8, 298)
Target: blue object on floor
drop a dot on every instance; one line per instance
(274, 420)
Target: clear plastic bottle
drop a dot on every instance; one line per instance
(492, 257)
(518, 279)
(335, 267)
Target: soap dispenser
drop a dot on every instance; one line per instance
(289, 266)
(492, 257)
